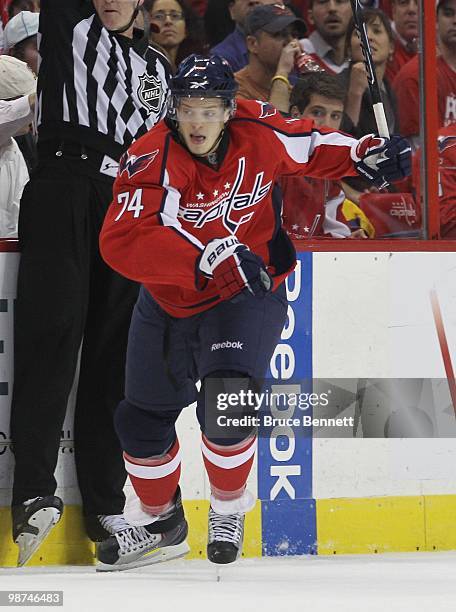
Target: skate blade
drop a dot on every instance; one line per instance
(159, 555)
(44, 520)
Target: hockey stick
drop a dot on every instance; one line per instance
(379, 111)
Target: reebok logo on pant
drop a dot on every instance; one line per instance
(227, 344)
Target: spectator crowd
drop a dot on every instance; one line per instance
(276, 50)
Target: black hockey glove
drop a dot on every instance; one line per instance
(383, 160)
(234, 268)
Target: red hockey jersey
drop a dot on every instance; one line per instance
(406, 88)
(312, 208)
(447, 180)
(169, 204)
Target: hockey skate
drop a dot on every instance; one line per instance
(225, 537)
(100, 526)
(32, 522)
(226, 527)
(160, 540)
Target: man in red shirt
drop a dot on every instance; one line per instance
(447, 181)
(194, 221)
(406, 84)
(405, 29)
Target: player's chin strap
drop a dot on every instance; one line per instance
(212, 155)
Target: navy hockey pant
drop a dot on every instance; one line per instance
(167, 355)
(67, 293)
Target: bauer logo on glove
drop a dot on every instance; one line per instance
(234, 268)
(382, 160)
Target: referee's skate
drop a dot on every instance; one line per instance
(32, 522)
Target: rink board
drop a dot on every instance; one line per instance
(351, 315)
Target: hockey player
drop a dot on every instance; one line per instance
(193, 220)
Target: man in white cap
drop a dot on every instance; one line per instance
(17, 99)
(20, 38)
(20, 41)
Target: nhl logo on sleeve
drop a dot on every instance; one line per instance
(150, 93)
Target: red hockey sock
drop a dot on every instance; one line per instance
(155, 479)
(228, 466)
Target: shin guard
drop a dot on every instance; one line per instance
(155, 479)
(228, 467)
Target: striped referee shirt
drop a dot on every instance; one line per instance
(99, 89)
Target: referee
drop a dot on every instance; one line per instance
(100, 87)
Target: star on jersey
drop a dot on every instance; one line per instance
(227, 185)
(228, 207)
(215, 192)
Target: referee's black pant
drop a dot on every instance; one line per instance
(66, 293)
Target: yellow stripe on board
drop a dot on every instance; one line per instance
(344, 525)
(67, 544)
(371, 525)
(440, 514)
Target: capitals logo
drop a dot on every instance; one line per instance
(228, 208)
(267, 110)
(133, 164)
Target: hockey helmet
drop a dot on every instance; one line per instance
(201, 76)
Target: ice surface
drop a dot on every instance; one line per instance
(418, 582)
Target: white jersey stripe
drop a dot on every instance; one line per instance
(170, 210)
(99, 72)
(231, 462)
(80, 38)
(66, 110)
(152, 472)
(300, 148)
